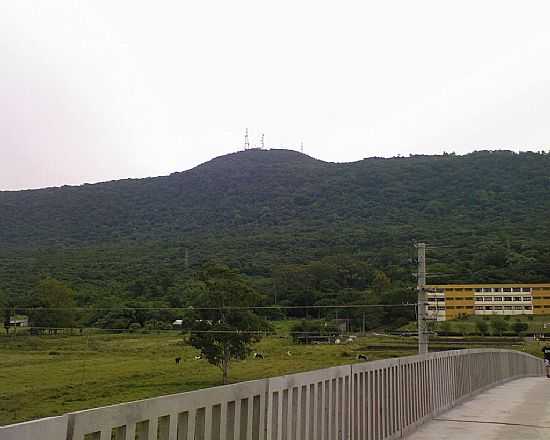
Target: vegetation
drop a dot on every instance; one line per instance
(78, 372)
(304, 232)
(223, 326)
(487, 326)
(54, 304)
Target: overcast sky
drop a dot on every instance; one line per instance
(100, 90)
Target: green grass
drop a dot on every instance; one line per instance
(50, 375)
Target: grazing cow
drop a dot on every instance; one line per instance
(258, 356)
(288, 353)
(199, 357)
(362, 357)
(178, 360)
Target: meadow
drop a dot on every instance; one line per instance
(48, 375)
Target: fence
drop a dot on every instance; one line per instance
(370, 401)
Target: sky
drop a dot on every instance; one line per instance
(100, 90)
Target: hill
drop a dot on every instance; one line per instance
(269, 212)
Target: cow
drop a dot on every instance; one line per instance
(178, 360)
(258, 356)
(362, 357)
(198, 357)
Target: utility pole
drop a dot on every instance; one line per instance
(421, 288)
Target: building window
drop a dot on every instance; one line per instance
(450, 298)
(498, 298)
(459, 307)
(479, 298)
(440, 307)
(498, 307)
(507, 307)
(526, 298)
(537, 307)
(517, 298)
(528, 308)
(487, 289)
(432, 308)
(450, 307)
(488, 298)
(518, 307)
(479, 307)
(526, 289)
(497, 289)
(517, 289)
(478, 289)
(459, 290)
(506, 289)
(469, 307)
(507, 298)
(488, 307)
(432, 298)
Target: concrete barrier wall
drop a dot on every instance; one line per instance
(374, 400)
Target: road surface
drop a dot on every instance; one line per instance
(517, 410)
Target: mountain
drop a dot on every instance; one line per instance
(260, 209)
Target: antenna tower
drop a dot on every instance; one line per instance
(262, 142)
(246, 140)
(302, 147)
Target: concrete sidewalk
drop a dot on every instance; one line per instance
(518, 410)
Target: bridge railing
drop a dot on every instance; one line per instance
(374, 400)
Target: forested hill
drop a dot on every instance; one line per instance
(281, 188)
(259, 209)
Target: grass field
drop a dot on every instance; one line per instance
(49, 375)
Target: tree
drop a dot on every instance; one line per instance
(463, 328)
(482, 327)
(499, 326)
(223, 326)
(54, 304)
(381, 282)
(519, 327)
(5, 310)
(445, 327)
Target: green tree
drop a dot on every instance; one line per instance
(445, 327)
(5, 310)
(499, 326)
(53, 305)
(482, 327)
(223, 325)
(519, 327)
(381, 282)
(463, 328)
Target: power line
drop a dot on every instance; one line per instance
(191, 308)
(183, 330)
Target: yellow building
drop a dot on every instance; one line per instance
(449, 301)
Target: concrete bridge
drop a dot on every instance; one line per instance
(516, 410)
(378, 400)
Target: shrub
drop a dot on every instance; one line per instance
(519, 327)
